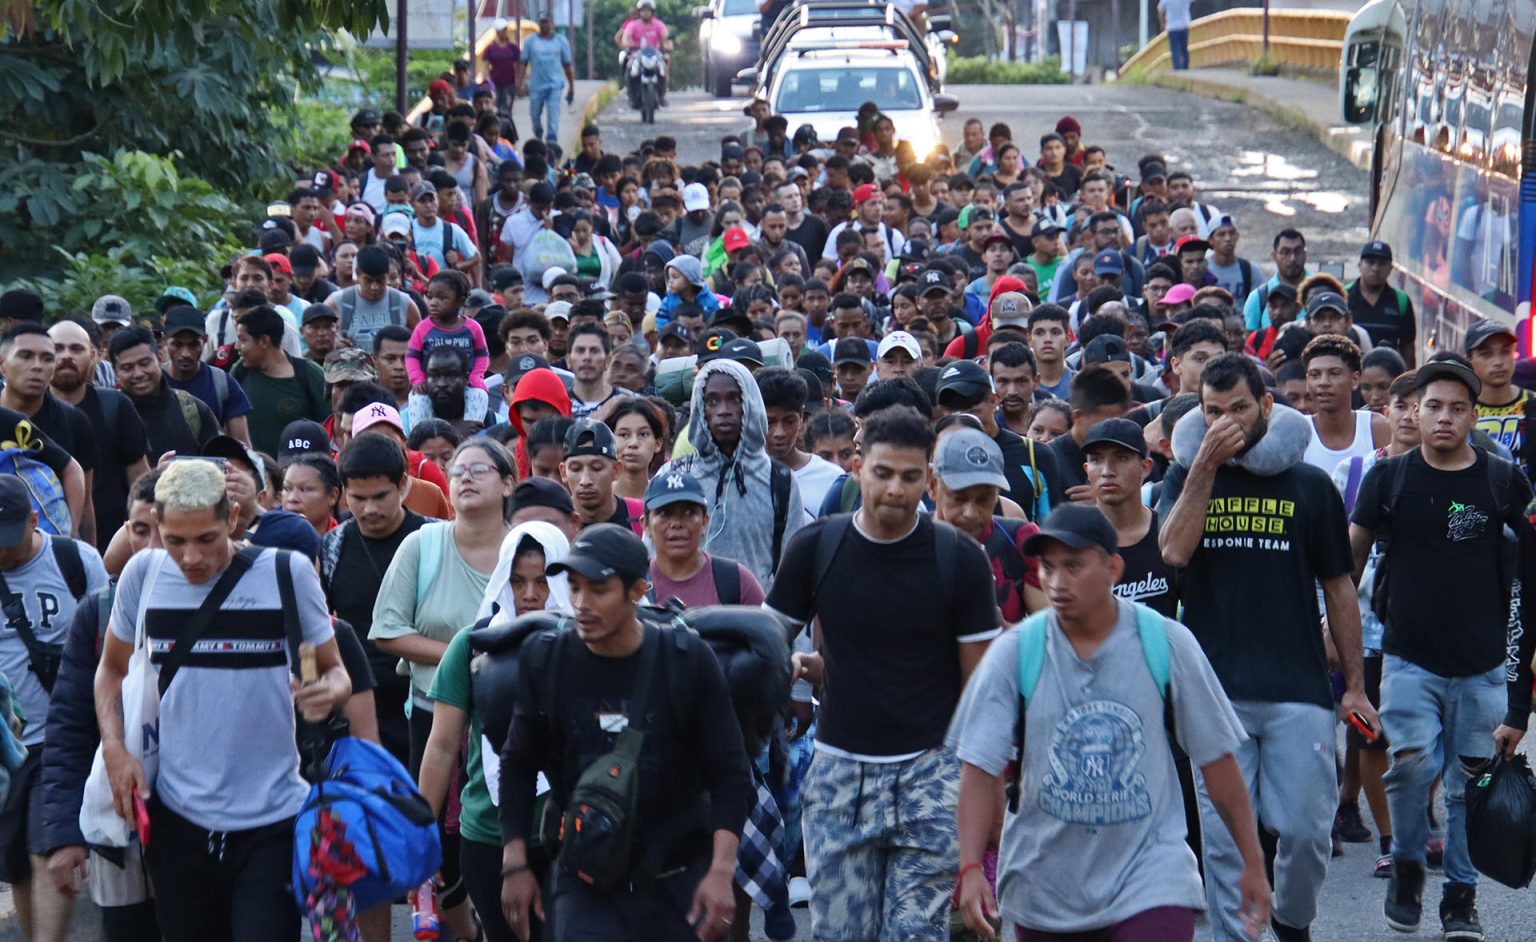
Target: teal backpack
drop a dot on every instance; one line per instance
(1032, 638)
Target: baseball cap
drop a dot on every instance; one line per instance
(394, 224)
(732, 152)
(324, 180)
(304, 259)
(1106, 348)
(864, 192)
(317, 312)
(478, 298)
(359, 144)
(966, 379)
(676, 330)
(1478, 334)
(1045, 227)
(934, 280)
(1122, 432)
(967, 458)
(279, 262)
(366, 116)
(587, 437)
(996, 238)
(423, 188)
(1078, 526)
(743, 351)
(558, 311)
(1011, 309)
(1282, 291)
(232, 449)
(15, 510)
(173, 296)
(899, 340)
(816, 363)
(1153, 170)
(541, 492)
(285, 529)
(1376, 249)
(111, 309)
(346, 364)
(303, 436)
(183, 318)
(711, 342)
(604, 551)
(522, 365)
(1108, 262)
(23, 305)
(695, 197)
(376, 413)
(1451, 370)
(672, 488)
(274, 239)
(1326, 301)
(502, 277)
(735, 238)
(1178, 294)
(547, 280)
(850, 350)
(1224, 222)
(1190, 243)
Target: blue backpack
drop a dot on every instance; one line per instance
(1154, 648)
(389, 824)
(44, 487)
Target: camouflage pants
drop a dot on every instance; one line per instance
(880, 847)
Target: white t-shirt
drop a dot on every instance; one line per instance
(814, 479)
(1176, 12)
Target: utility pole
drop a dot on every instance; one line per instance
(400, 56)
(471, 54)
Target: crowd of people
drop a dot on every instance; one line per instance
(902, 401)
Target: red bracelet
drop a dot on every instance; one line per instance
(954, 899)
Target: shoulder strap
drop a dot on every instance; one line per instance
(634, 507)
(727, 578)
(110, 407)
(828, 542)
(66, 554)
(189, 413)
(1247, 270)
(292, 630)
(104, 600)
(1394, 492)
(347, 306)
(781, 482)
(1402, 302)
(1031, 663)
(1501, 473)
(1042, 502)
(1154, 645)
(849, 495)
(946, 542)
(431, 546)
(220, 390)
(193, 628)
(1352, 484)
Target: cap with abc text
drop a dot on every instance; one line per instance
(301, 437)
(672, 488)
(603, 552)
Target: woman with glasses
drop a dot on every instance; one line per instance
(431, 591)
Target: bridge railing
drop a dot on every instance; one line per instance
(1301, 39)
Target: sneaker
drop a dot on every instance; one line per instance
(1383, 869)
(779, 923)
(1285, 933)
(1434, 853)
(1405, 896)
(1458, 914)
(799, 891)
(1348, 826)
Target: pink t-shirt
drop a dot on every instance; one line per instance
(637, 33)
(700, 590)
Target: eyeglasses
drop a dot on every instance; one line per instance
(473, 471)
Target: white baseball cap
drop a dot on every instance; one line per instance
(695, 197)
(558, 310)
(902, 339)
(395, 224)
(550, 274)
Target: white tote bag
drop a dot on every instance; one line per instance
(99, 821)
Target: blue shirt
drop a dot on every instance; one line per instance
(546, 59)
(202, 386)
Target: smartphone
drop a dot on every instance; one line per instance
(141, 818)
(1360, 723)
(221, 462)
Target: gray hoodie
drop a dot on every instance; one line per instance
(741, 517)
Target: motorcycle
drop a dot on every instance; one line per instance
(645, 69)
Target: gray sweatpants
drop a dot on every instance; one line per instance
(1288, 764)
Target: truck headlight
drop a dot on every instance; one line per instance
(726, 44)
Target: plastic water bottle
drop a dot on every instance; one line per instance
(424, 921)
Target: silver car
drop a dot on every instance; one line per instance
(726, 41)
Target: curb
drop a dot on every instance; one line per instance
(1349, 142)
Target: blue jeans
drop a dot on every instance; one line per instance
(1440, 727)
(545, 99)
(1178, 48)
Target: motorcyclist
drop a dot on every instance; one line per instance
(644, 29)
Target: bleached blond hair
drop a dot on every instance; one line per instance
(190, 486)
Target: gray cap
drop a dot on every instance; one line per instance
(112, 309)
(967, 458)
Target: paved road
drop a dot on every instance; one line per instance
(1266, 175)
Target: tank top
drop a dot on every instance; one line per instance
(466, 175)
(1321, 456)
(361, 319)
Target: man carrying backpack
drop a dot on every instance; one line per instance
(632, 725)
(1095, 692)
(677, 517)
(1442, 512)
(42, 579)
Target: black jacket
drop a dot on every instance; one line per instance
(72, 735)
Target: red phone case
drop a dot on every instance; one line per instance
(141, 818)
(1364, 728)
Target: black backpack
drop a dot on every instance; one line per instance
(44, 658)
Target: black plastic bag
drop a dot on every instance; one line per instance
(1501, 822)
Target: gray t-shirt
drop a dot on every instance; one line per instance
(50, 606)
(1230, 277)
(1099, 836)
(228, 760)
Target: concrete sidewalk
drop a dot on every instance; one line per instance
(1310, 106)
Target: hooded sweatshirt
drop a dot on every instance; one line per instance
(741, 515)
(499, 602)
(541, 385)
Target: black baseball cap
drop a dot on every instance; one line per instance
(932, 280)
(1078, 526)
(318, 312)
(816, 363)
(743, 351)
(672, 488)
(676, 330)
(302, 437)
(1376, 249)
(851, 350)
(1122, 432)
(604, 551)
(1327, 301)
(711, 342)
(541, 492)
(966, 379)
(183, 317)
(1484, 331)
(522, 365)
(1447, 369)
(15, 510)
(303, 259)
(587, 437)
(1045, 227)
(232, 449)
(1106, 348)
(502, 277)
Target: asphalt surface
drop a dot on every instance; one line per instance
(1266, 175)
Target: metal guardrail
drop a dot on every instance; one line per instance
(1302, 39)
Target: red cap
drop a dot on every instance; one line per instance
(864, 193)
(1191, 242)
(279, 262)
(735, 238)
(361, 145)
(439, 85)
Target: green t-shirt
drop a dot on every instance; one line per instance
(477, 820)
(448, 607)
(276, 402)
(1045, 275)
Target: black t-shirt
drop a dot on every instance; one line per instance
(1070, 464)
(1447, 599)
(1023, 242)
(889, 635)
(69, 427)
(810, 235)
(352, 586)
(1250, 590)
(121, 442)
(1016, 468)
(1390, 321)
(1147, 579)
